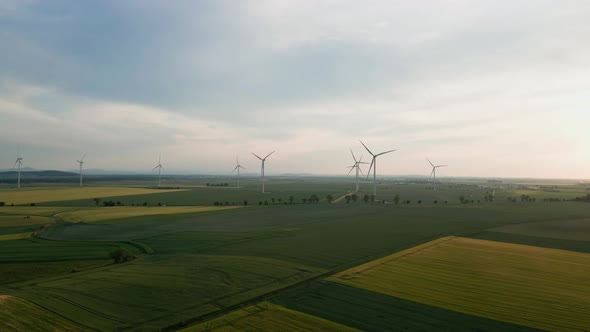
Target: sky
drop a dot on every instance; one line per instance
(491, 88)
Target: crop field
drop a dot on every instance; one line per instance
(41, 195)
(264, 264)
(506, 282)
(139, 294)
(19, 315)
(119, 212)
(267, 316)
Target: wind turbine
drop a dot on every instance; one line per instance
(81, 162)
(374, 166)
(160, 168)
(19, 161)
(238, 166)
(433, 173)
(357, 165)
(262, 169)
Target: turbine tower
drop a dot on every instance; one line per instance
(19, 161)
(160, 168)
(262, 168)
(357, 166)
(433, 173)
(374, 166)
(81, 162)
(238, 166)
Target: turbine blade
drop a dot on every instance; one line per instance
(384, 152)
(441, 165)
(352, 153)
(366, 148)
(371, 166)
(431, 164)
(15, 163)
(268, 155)
(256, 155)
(84, 156)
(351, 168)
(361, 170)
(235, 168)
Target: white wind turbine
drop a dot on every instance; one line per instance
(238, 166)
(374, 166)
(262, 168)
(81, 162)
(160, 168)
(357, 166)
(433, 173)
(19, 161)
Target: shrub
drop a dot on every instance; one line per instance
(121, 255)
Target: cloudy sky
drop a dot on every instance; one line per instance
(492, 88)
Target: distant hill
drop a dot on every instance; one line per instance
(37, 174)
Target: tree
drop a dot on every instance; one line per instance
(329, 198)
(272, 200)
(354, 198)
(291, 198)
(314, 199)
(396, 199)
(304, 200)
(279, 200)
(366, 198)
(2, 203)
(245, 202)
(97, 200)
(121, 255)
(461, 198)
(419, 201)
(348, 198)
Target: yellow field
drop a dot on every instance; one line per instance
(36, 195)
(532, 286)
(118, 212)
(10, 221)
(17, 314)
(268, 317)
(16, 236)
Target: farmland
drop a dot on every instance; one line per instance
(223, 267)
(484, 278)
(41, 195)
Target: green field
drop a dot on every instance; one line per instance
(506, 282)
(197, 263)
(268, 317)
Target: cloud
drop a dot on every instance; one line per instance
(489, 86)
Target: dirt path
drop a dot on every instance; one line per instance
(341, 197)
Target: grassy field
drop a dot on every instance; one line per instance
(141, 295)
(120, 212)
(267, 316)
(193, 261)
(19, 315)
(577, 229)
(500, 281)
(41, 195)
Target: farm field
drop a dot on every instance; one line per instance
(119, 212)
(19, 315)
(267, 316)
(194, 261)
(42, 195)
(506, 282)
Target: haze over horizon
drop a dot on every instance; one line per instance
(491, 89)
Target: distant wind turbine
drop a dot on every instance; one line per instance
(262, 168)
(81, 162)
(238, 166)
(19, 161)
(357, 166)
(374, 166)
(160, 168)
(433, 173)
